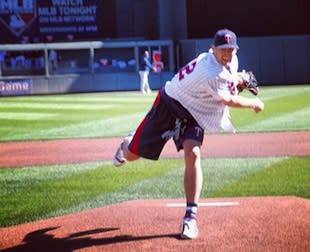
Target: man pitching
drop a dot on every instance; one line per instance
(194, 101)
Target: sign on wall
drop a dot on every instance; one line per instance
(17, 15)
(59, 18)
(16, 87)
(67, 16)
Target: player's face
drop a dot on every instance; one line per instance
(224, 55)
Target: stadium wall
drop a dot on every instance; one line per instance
(95, 83)
(275, 59)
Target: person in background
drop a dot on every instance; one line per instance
(145, 68)
(52, 54)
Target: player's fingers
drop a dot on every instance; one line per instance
(258, 105)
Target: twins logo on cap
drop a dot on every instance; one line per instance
(227, 38)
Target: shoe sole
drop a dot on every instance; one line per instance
(187, 237)
(117, 161)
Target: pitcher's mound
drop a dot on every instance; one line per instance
(234, 224)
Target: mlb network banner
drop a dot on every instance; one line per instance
(49, 17)
(15, 87)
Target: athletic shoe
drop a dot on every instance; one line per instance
(119, 158)
(189, 229)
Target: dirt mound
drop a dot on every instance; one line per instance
(242, 224)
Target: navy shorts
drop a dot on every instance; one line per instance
(166, 119)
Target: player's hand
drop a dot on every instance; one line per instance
(257, 105)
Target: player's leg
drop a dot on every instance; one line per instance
(141, 73)
(145, 81)
(147, 84)
(188, 136)
(192, 186)
(129, 156)
(193, 173)
(147, 141)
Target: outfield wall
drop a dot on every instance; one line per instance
(274, 60)
(77, 83)
(96, 82)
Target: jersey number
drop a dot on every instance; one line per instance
(189, 68)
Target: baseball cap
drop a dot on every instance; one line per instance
(225, 38)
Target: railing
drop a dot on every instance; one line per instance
(80, 57)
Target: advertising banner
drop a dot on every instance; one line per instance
(15, 87)
(62, 19)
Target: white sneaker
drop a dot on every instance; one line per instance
(119, 158)
(189, 229)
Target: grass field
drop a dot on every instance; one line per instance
(114, 114)
(33, 193)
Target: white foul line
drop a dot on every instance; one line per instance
(206, 204)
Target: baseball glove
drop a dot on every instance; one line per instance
(249, 82)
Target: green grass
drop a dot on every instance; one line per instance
(286, 108)
(36, 192)
(116, 113)
(33, 193)
(287, 177)
(71, 115)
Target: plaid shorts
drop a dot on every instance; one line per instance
(166, 119)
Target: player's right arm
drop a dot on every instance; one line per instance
(238, 101)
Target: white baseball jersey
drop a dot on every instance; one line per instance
(198, 87)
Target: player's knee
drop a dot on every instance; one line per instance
(191, 149)
(192, 154)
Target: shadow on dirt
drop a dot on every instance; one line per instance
(40, 240)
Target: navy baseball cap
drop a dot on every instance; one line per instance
(225, 39)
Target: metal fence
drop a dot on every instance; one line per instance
(50, 59)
